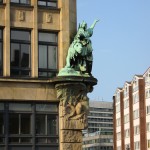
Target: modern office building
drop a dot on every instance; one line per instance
(34, 39)
(99, 135)
(131, 114)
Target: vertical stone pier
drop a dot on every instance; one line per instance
(73, 109)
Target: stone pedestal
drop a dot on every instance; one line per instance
(73, 109)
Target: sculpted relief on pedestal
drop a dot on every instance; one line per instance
(74, 105)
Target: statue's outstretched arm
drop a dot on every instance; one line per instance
(94, 23)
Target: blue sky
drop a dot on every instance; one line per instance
(121, 41)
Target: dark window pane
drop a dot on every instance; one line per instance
(52, 4)
(19, 107)
(43, 74)
(15, 72)
(1, 106)
(1, 140)
(25, 55)
(13, 124)
(25, 1)
(25, 124)
(15, 48)
(47, 37)
(19, 147)
(14, 140)
(20, 35)
(20, 53)
(1, 48)
(52, 140)
(47, 107)
(14, 1)
(51, 74)
(1, 124)
(40, 124)
(25, 73)
(41, 3)
(25, 140)
(52, 57)
(46, 148)
(51, 125)
(40, 140)
(42, 56)
(0, 32)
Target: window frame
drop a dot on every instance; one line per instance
(32, 136)
(136, 114)
(20, 42)
(148, 110)
(47, 1)
(47, 44)
(20, 3)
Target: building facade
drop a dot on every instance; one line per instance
(99, 135)
(34, 39)
(131, 114)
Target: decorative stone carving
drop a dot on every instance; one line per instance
(73, 109)
(21, 15)
(72, 146)
(71, 136)
(74, 105)
(49, 18)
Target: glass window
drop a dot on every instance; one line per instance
(47, 107)
(47, 54)
(136, 130)
(47, 3)
(118, 108)
(1, 124)
(19, 107)
(20, 35)
(148, 143)
(126, 103)
(137, 145)
(1, 106)
(47, 37)
(46, 124)
(1, 51)
(126, 118)
(135, 98)
(0, 34)
(26, 2)
(28, 124)
(20, 53)
(148, 109)
(25, 124)
(136, 114)
(14, 123)
(19, 123)
(40, 124)
(148, 126)
(52, 126)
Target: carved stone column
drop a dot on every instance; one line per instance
(73, 110)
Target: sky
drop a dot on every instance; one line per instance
(121, 42)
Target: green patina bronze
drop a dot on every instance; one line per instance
(79, 59)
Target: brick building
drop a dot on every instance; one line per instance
(131, 114)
